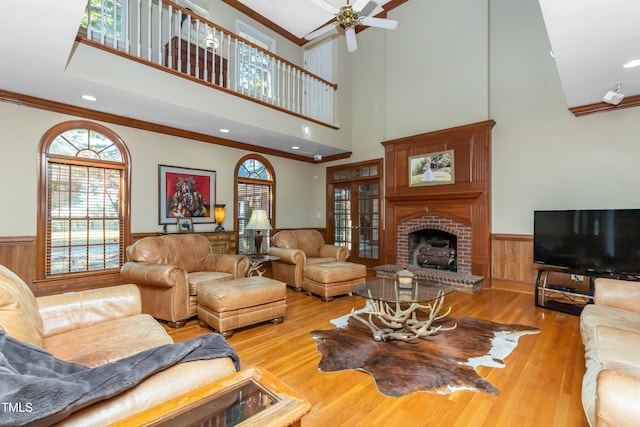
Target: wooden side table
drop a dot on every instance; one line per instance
(222, 242)
(252, 396)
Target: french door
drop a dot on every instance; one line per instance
(355, 212)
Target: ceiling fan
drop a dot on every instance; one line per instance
(348, 17)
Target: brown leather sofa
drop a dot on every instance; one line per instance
(170, 268)
(298, 248)
(610, 330)
(96, 327)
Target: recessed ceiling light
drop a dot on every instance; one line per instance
(295, 147)
(224, 130)
(631, 64)
(89, 98)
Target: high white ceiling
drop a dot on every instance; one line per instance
(590, 39)
(300, 17)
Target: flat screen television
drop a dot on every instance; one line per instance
(605, 241)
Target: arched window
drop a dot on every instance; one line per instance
(83, 217)
(255, 189)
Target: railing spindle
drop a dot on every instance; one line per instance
(221, 58)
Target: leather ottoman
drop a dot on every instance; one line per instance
(333, 278)
(232, 304)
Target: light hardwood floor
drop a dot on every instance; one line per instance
(539, 386)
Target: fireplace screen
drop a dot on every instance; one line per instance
(433, 249)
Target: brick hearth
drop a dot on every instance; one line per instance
(459, 280)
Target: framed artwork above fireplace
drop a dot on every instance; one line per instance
(432, 169)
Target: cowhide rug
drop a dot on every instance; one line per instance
(442, 363)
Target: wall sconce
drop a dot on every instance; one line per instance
(317, 157)
(305, 129)
(258, 221)
(218, 214)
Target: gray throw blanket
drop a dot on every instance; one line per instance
(38, 389)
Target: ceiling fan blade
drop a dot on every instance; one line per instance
(389, 24)
(359, 5)
(350, 34)
(320, 31)
(368, 9)
(326, 6)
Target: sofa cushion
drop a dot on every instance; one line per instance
(187, 251)
(607, 348)
(308, 241)
(108, 341)
(199, 278)
(74, 310)
(317, 260)
(594, 314)
(183, 378)
(19, 315)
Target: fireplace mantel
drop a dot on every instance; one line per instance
(459, 195)
(467, 200)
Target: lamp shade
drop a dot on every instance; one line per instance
(258, 220)
(218, 214)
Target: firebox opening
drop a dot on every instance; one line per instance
(433, 249)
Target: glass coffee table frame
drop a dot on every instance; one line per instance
(252, 396)
(393, 307)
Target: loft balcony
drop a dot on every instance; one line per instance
(165, 35)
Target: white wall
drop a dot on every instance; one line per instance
(298, 194)
(428, 74)
(543, 156)
(463, 61)
(448, 63)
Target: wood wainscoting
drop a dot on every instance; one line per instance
(19, 254)
(512, 266)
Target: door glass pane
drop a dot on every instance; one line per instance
(368, 220)
(342, 217)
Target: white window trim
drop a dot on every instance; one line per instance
(270, 42)
(243, 27)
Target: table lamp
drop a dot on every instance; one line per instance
(258, 221)
(218, 214)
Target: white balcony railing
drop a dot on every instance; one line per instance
(169, 35)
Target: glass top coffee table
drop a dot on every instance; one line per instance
(392, 308)
(390, 291)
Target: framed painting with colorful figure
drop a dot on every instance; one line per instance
(186, 193)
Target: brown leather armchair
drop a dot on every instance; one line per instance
(169, 269)
(298, 248)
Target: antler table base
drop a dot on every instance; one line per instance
(388, 323)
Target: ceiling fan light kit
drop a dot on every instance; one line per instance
(348, 17)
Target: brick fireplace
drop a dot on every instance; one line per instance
(460, 207)
(461, 232)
